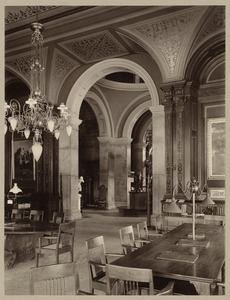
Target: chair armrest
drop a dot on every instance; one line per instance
(80, 292)
(155, 234)
(139, 243)
(114, 254)
(49, 237)
(167, 290)
(128, 246)
(96, 264)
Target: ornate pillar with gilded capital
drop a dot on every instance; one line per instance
(180, 103)
(179, 100)
(68, 166)
(167, 101)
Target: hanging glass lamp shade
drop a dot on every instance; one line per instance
(26, 133)
(69, 129)
(37, 150)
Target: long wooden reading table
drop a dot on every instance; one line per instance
(177, 256)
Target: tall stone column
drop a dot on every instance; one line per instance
(122, 151)
(158, 157)
(68, 166)
(106, 168)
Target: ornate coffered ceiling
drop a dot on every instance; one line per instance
(80, 35)
(94, 47)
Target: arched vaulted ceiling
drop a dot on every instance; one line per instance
(75, 36)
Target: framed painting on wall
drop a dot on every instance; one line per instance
(216, 148)
(23, 160)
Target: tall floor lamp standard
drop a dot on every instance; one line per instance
(194, 239)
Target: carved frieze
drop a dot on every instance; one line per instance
(95, 47)
(27, 12)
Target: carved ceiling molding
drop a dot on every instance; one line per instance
(27, 12)
(214, 23)
(131, 43)
(62, 65)
(9, 76)
(21, 64)
(95, 47)
(168, 37)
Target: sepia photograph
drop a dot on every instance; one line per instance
(114, 149)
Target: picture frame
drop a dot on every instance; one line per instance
(217, 193)
(216, 148)
(23, 161)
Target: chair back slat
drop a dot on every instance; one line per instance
(54, 279)
(126, 281)
(127, 238)
(17, 214)
(95, 251)
(58, 217)
(66, 234)
(36, 215)
(142, 230)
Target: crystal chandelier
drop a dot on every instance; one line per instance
(36, 115)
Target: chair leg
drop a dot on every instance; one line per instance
(37, 259)
(71, 256)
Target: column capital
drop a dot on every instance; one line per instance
(74, 120)
(156, 109)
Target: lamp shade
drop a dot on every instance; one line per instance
(13, 123)
(57, 134)
(69, 129)
(37, 150)
(50, 125)
(172, 208)
(207, 200)
(27, 133)
(15, 189)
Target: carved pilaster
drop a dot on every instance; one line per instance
(168, 107)
(179, 101)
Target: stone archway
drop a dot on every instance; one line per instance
(70, 150)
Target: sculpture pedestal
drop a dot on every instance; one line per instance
(138, 200)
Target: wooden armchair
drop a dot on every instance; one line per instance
(17, 214)
(36, 215)
(97, 259)
(63, 242)
(133, 281)
(143, 233)
(61, 279)
(58, 217)
(128, 242)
